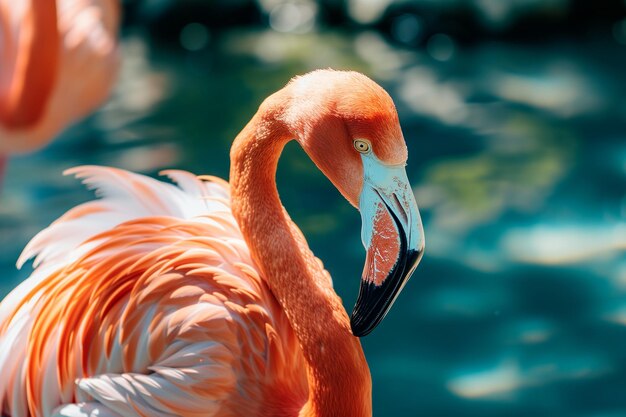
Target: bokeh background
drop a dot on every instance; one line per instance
(515, 118)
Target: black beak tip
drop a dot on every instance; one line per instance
(374, 301)
(360, 328)
(369, 310)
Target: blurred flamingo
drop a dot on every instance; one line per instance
(58, 61)
(204, 299)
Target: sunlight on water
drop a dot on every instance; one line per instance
(553, 245)
(508, 379)
(492, 382)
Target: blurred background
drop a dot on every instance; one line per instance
(515, 119)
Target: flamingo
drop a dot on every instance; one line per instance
(58, 61)
(202, 298)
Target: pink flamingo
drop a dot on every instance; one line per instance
(58, 61)
(204, 299)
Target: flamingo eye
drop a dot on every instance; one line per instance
(362, 145)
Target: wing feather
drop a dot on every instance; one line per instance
(84, 410)
(145, 302)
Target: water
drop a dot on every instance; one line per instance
(518, 159)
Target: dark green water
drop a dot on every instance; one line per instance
(518, 160)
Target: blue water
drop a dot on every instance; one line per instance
(518, 161)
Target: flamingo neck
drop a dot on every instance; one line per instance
(338, 375)
(35, 52)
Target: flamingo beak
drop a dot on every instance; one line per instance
(393, 237)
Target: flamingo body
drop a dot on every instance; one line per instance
(154, 292)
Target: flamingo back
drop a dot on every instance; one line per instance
(146, 302)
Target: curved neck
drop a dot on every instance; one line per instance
(338, 376)
(36, 50)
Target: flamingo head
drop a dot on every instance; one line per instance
(349, 127)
